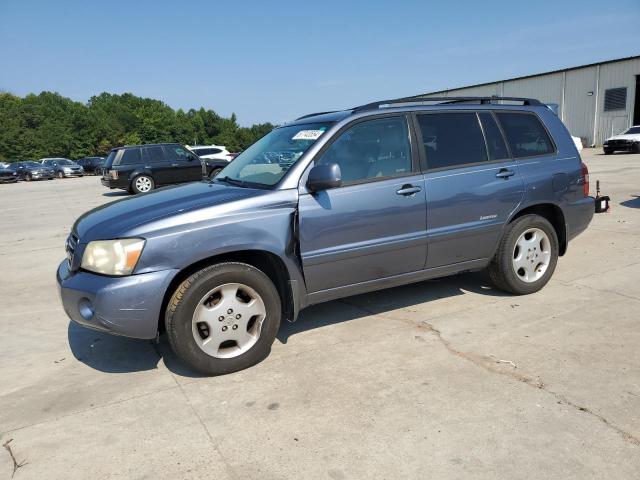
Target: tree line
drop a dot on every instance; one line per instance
(50, 125)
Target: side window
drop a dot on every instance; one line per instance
(495, 143)
(153, 154)
(131, 156)
(371, 149)
(525, 134)
(176, 154)
(214, 151)
(452, 139)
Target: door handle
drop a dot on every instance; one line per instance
(408, 189)
(505, 173)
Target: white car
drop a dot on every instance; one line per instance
(212, 152)
(628, 141)
(578, 142)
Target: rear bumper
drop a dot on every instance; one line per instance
(119, 183)
(578, 216)
(128, 306)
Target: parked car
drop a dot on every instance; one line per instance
(627, 141)
(63, 167)
(92, 165)
(30, 170)
(364, 199)
(141, 168)
(8, 175)
(213, 154)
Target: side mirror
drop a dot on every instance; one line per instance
(324, 177)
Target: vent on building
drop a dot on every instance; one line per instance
(615, 99)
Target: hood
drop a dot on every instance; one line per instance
(633, 136)
(121, 218)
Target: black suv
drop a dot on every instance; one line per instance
(92, 164)
(141, 168)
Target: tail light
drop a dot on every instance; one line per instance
(584, 177)
(113, 174)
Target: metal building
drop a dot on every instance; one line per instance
(595, 101)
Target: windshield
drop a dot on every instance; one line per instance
(265, 162)
(32, 164)
(63, 161)
(632, 130)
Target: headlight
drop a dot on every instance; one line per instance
(113, 257)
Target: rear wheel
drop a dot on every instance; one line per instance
(526, 257)
(142, 184)
(223, 318)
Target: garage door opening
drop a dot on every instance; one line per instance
(636, 104)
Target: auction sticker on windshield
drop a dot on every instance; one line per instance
(308, 135)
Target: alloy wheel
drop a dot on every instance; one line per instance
(531, 255)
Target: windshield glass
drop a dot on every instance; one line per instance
(32, 164)
(632, 130)
(265, 162)
(63, 161)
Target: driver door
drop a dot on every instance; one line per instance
(374, 225)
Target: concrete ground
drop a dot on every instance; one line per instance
(441, 379)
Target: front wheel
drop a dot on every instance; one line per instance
(214, 173)
(223, 318)
(60, 175)
(527, 256)
(28, 177)
(142, 184)
(608, 152)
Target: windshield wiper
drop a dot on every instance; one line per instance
(243, 183)
(232, 181)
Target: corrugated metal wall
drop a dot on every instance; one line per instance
(576, 91)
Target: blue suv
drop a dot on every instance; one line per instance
(330, 205)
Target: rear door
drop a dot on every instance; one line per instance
(472, 184)
(374, 225)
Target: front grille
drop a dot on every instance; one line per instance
(71, 246)
(618, 142)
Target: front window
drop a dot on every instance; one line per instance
(265, 162)
(632, 131)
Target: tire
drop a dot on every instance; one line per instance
(608, 152)
(187, 337)
(214, 172)
(28, 177)
(60, 175)
(142, 184)
(519, 267)
(636, 147)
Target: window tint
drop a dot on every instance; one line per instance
(153, 154)
(206, 151)
(495, 143)
(175, 153)
(372, 149)
(452, 139)
(131, 156)
(525, 134)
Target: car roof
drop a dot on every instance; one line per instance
(124, 147)
(420, 103)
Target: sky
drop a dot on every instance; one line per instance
(276, 60)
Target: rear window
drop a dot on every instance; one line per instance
(526, 135)
(452, 139)
(206, 151)
(109, 161)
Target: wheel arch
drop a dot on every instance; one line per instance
(268, 262)
(551, 212)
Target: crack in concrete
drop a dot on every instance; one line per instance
(490, 365)
(16, 464)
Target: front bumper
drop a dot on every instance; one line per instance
(72, 174)
(621, 147)
(40, 176)
(128, 306)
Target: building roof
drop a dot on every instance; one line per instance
(635, 57)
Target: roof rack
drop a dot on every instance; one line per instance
(445, 100)
(315, 114)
